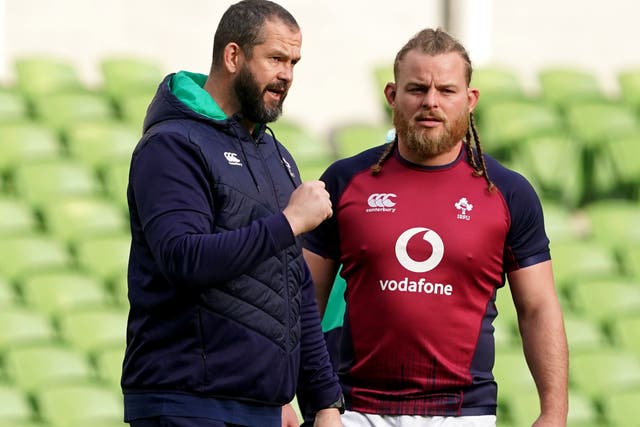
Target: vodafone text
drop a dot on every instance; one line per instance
(421, 286)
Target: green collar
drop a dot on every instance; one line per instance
(188, 88)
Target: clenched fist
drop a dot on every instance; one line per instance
(308, 206)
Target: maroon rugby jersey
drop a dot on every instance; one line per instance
(424, 250)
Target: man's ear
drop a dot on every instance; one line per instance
(473, 95)
(232, 57)
(390, 94)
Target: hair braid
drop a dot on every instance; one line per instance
(480, 169)
(375, 169)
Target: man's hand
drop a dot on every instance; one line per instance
(289, 417)
(329, 417)
(308, 206)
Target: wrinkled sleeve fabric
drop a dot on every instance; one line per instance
(173, 198)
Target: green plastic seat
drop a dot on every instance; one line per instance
(42, 182)
(116, 179)
(26, 141)
(630, 260)
(575, 261)
(39, 76)
(614, 221)
(597, 373)
(553, 163)
(524, 408)
(123, 75)
(74, 219)
(351, 139)
(24, 255)
(623, 153)
(16, 218)
(39, 366)
(583, 333)
(133, 108)
(625, 330)
(512, 373)
(96, 144)
(506, 124)
(13, 107)
(620, 407)
(93, 330)
(496, 83)
(21, 326)
(63, 111)
(65, 405)
(563, 86)
(58, 292)
(593, 124)
(383, 74)
(105, 257)
(306, 147)
(629, 83)
(14, 405)
(7, 293)
(606, 298)
(109, 365)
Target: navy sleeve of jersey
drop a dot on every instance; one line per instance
(527, 242)
(170, 192)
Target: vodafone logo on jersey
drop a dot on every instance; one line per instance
(434, 252)
(381, 202)
(420, 266)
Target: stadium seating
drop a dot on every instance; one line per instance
(64, 161)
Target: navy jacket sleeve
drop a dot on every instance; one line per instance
(172, 196)
(318, 385)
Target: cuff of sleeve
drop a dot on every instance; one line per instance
(282, 234)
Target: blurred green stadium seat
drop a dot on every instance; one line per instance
(506, 124)
(496, 83)
(583, 333)
(382, 74)
(306, 147)
(575, 261)
(625, 330)
(624, 153)
(562, 86)
(553, 163)
(56, 293)
(621, 407)
(630, 259)
(7, 293)
(105, 257)
(94, 330)
(629, 83)
(26, 141)
(116, 179)
(351, 139)
(14, 405)
(109, 365)
(42, 182)
(21, 256)
(62, 111)
(512, 373)
(133, 108)
(16, 218)
(524, 408)
(123, 75)
(73, 219)
(43, 75)
(594, 123)
(22, 326)
(97, 144)
(614, 221)
(603, 299)
(36, 367)
(598, 373)
(66, 405)
(13, 107)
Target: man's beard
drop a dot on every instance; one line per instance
(251, 97)
(418, 140)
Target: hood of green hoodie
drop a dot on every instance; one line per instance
(188, 88)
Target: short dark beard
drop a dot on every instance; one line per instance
(251, 97)
(417, 141)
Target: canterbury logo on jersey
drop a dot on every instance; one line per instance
(232, 158)
(381, 202)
